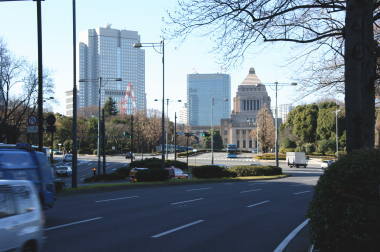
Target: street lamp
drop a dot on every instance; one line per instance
(167, 126)
(212, 127)
(162, 46)
(276, 84)
(100, 79)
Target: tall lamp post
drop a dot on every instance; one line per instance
(162, 47)
(74, 163)
(212, 127)
(276, 84)
(100, 80)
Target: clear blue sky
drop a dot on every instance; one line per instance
(18, 29)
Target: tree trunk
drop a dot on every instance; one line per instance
(360, 70)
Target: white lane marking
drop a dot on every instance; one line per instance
(198, 189)
(254, 190)
(129, 197)
(260, 203)
(176, 229)
(301, 192)
(73, 223)
(186, 201)
(290, 236)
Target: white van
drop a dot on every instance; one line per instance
(296, 159)
(21, 217)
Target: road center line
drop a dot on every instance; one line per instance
(176, 229)
(290, 236)
(129, 197)
(254, 190)
(72, 223)
(198, 189)
(186, 201)
(260, 203)
(301, 192)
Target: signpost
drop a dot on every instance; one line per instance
(32, 125)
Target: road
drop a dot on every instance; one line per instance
(235, 216)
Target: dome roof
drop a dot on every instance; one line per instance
(251, 78)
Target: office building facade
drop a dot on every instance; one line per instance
(208, 94)
(109, 53)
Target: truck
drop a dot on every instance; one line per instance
(296, 159)
(22, 162)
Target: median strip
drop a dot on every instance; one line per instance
(297, 193)
(260, 203)
(198, 189)
(176, 229)
(186, 201)
(72, 223)
(106, 200)
(291, 236)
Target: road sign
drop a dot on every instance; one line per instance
(32, 120)
(32, 129)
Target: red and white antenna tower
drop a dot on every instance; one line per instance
(128, 102)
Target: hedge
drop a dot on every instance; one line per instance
(157, 163)
(211, 171)
(344, 212)
(250, 170)
(119, 174)
(152, 175)
(271, 156)
(191, 153)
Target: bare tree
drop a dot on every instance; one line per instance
(341, 26)
(266, 130)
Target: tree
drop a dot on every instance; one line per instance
(218, 141)
(110, 107)
(238, 24)
(265, 125)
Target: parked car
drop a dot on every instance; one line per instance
(21, 217)
(129, 154)
(326, 163)
(177, 173)
(63, 170)
(21, 162)
(68, 158)
(296, 159)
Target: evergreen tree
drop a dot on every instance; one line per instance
(110, 108)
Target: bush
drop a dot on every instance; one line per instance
(120, 174)
(191, 153)
(284, 150)
(309, 148)
(157, 163)
(211, 171)
(250, 170)
(271, 156)
(344, 212)
(152, 175)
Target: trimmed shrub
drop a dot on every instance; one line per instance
(211, 171)
(284, 150)
(120, 174)
(156, 163)
(152, 175)
(175, 163)
(250, 170)
(271, 156)
(344, 212)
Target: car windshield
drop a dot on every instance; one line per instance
(16, 159)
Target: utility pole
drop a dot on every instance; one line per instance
(40, 80)
(74, 163)
(104, 142)
(212, 131)
(167, 129)
(175, 136)
(132, 138)
(99, 118)
(276, 134)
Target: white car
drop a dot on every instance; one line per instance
(63, 170)
(21, 217)
(326, 163)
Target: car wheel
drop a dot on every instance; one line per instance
(29, 247)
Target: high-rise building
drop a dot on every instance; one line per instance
(69, 102)
(283, 111)
(206, 92)
(250, 97)
(183, 115)
(109, 53)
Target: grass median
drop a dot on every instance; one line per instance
(99, 187)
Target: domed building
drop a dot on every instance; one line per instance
(250, 97)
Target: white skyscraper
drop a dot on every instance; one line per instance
(109, 53)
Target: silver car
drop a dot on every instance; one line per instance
(63, 170)
(21, 217)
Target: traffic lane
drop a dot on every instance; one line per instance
(161, 218)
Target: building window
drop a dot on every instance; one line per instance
(238, 143)
(237, 132)
(243, 143)
(225, 132)
(225, 140)
(250, 143)
(243, 132)
(244, 105)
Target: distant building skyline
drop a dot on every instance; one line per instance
(202, 89)
(109, 53)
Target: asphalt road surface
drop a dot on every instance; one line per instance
(233, 216)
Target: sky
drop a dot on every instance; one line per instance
(194, 55)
